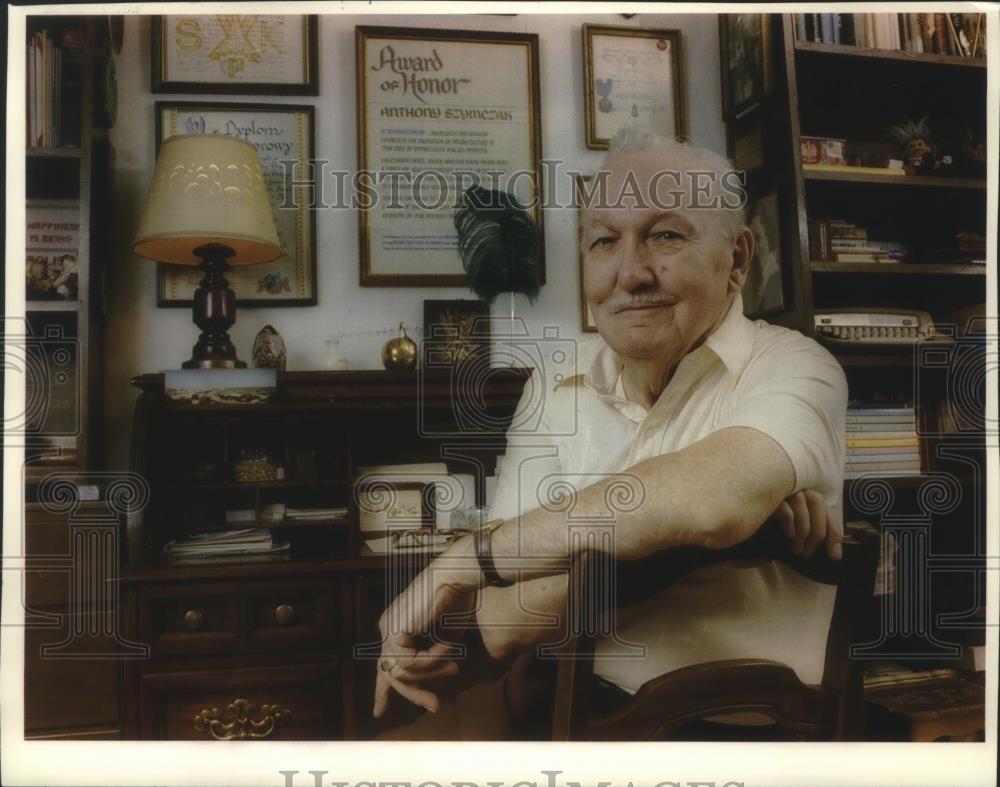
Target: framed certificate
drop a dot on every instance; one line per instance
(283, 136)
(632, 79)
(235, 53)
(439, 111)
(743, 45)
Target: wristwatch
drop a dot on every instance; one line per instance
(484, 555)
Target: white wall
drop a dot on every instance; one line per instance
(144, 338)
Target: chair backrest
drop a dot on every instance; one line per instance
(833, 709)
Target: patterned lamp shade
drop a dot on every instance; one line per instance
(207, 189)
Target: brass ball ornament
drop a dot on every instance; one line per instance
(400, 352)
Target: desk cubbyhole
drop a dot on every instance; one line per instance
(319, 450)
(200, 448)
(205, 508)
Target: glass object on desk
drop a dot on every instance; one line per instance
(333, 360)
(254, 465)
(269, 350)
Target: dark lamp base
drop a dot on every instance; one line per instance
(214, 363)
(214, 312)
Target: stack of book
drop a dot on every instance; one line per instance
(882, 440)
(54, 66)
(963, 35)
(226, 546)
(837, 240)
(971, 246)
(964, 248)
(891, 674)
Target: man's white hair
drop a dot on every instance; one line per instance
(681, 157)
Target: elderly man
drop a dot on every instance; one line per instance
(721, 421)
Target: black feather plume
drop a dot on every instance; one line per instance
(498, 241)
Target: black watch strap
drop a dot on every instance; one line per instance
(484, 555)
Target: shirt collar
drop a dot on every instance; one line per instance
(732, 341)
(599, 366)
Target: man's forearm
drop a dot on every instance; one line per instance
(683, 501)
(715, 493)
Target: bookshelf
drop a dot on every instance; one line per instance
(854, 93)
(71, 682)
(68, 187)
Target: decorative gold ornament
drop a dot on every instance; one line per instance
(401, 352)
(237, 722)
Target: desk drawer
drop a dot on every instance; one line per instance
(253, 616)
(287, 702)
(191, 620)
(291, 614)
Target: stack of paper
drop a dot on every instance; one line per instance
(226, 545)
(315, 514)
(432, 544)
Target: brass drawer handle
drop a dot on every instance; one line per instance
(241, 721)
(284, 614)
(194, 619)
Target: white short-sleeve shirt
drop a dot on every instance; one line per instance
(748, 374)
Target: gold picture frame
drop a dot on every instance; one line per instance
(633, 78)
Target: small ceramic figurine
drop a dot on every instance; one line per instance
(401, 352)
(333, 360)
(920, 155)
(269, 350)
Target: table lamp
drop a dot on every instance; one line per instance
(208, 206)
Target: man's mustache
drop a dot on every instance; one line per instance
(642, 302)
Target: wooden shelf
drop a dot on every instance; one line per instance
(64, 152)
(902, 359)
(340, 521)
(908, 481)
(843, 50)
(52, 306)
(366, 563)
(897, 268)
(207, 485)
(844, 175)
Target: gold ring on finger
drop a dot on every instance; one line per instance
(387, 664)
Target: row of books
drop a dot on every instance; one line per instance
(882, 439)
(235, 546)
(963, 35)
(55, 87)
(964, 247)
(836, 240)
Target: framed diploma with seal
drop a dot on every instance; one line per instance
(439, 111)
(632, 79)
(283, 136)
(258, 54)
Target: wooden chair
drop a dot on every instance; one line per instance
(832, 710)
